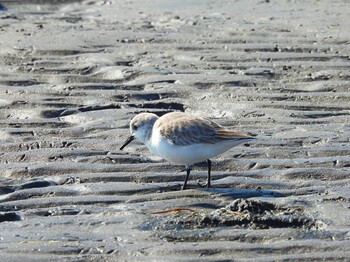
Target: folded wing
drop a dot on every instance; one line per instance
(182, 129)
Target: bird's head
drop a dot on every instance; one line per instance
(141, 128)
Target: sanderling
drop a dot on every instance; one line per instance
(184, 139)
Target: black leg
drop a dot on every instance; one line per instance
(209, 170)
(188, 170)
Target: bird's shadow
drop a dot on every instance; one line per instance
(235, 193)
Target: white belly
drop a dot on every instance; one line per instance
(187, 155)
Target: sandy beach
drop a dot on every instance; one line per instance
(73, 74)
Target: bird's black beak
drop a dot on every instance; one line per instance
(127, 142)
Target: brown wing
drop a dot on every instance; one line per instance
(182, 129)
(224, 133)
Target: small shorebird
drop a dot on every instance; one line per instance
(184, 139)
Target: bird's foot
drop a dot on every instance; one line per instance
(204, 185)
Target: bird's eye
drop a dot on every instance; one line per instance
(134, 127)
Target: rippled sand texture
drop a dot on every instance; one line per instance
(72, 75)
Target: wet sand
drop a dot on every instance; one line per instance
(73, 74)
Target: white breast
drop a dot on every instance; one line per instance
(185, 155)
